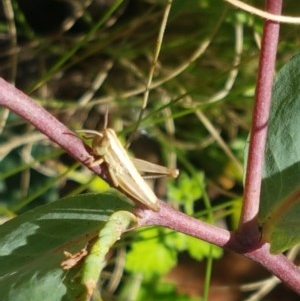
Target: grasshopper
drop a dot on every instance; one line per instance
(123, 170)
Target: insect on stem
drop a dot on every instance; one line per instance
(124, 171)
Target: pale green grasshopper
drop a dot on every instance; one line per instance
(123, 170)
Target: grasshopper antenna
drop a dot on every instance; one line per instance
(152, 68)
(106, 117)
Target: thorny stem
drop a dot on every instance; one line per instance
(258, 135)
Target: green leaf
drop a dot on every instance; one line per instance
(187, 191)
(280, 195)
(157, 252)
(197, 248)
(32, 245)
(150, 256)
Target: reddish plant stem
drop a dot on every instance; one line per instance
(21, 104)
(248, 224)
(178, 221)
(278, 265)
(170, 218)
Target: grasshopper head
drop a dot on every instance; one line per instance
(100, 143)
